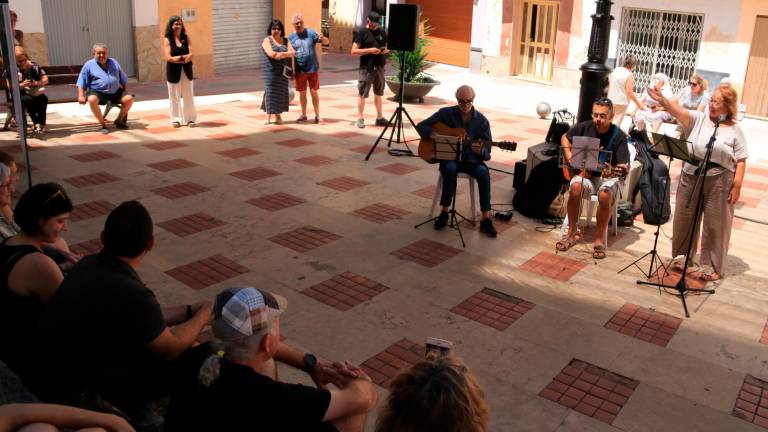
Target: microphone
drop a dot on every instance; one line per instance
(720, 118)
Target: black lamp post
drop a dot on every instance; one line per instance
(594, 73)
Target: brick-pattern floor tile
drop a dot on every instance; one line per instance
(90, 209)
(345, 134)
(276, 128)
(276, 201)
(343, 184)
(94, 156)
(315, 161)
(493, 308)
(89, 247)
(225, 136)
(305, 238)
(160, 129)
(165, 145)
(215, 124)
(208, 111)
(752, 403)
(764, 337)
(398, 168)
(671, 278)
(364, 149)
(152, 117)
(206, 272)
(425, 192)
(191, 224)
(239, 152)
(644, 324)
(172, 164)
(386, 365)
(345, 291)
(294, 143)
(590, 390)
(747, 201)
(254, 174)
(380, 213)
(426, 252)
(96, 138)
(91, 179)
(553, 266)
(180, 190)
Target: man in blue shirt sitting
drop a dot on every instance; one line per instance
(473, 157)
(308, 59)
(102, 80)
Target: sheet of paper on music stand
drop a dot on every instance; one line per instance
(585, 152)
(446, 146)
(670, 146)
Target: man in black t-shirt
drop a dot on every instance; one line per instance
(370, 43)
(105, 335)
(614, 157)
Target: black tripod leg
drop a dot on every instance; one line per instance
(381, 135)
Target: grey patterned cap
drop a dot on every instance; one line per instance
(243, 311)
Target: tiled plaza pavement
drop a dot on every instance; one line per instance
(559, 341)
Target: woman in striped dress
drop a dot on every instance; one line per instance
(277, 53)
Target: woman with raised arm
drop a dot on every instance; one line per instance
(722, 185)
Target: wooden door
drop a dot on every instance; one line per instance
(756, 83)
(538, 24)
(451, 30)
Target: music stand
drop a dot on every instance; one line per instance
(450, 148)
(680, 149)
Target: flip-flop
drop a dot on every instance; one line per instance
(709, 277)
(598, 251)
(567, 242)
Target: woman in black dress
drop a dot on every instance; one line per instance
(277, 54)
(32, 82)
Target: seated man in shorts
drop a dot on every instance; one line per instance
(102, 80)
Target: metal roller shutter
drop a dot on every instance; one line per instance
(239, 26)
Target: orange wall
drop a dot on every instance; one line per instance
(749, 10)
(200, 31)
(309, 9)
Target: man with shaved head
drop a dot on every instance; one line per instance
(476, 127)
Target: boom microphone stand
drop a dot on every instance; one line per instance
(395, 122)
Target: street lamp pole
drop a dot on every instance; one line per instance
(594, 73)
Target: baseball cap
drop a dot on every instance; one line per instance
(240, 312)
(374, 17)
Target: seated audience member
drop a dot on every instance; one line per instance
(238, 388)
(29, 278)
(436, 394)
(694, 96)
(102, 80)
(32, 82)
(653, 112)
(105, 336)
(38, 417)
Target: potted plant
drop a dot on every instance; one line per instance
(417, 83)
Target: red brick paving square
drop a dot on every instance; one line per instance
(364, 149)
(152, 117)
(89, 247)
(535, 131)
(208, 111)
(343, 107)
(206, 272)
(493, 308)
(165, 145)
(738, 224)
(426, 252)
(672, 277)
(191, 224)
(764, 337)
(590, 390)
(398, 168)
(180, 190)
(747, 201)
(240, 152)
(225, 136)
(96, 138)
(172, 164)
(305, 238)
(345, 291)
(644, 324)
(279, 128)
(254, 174)
(276, 201)
(94, 156)
(213, 123)
(507, 120)
(756, 171)
(294, 143)
(386, 365)
(91, 179)
(343, 184)
(553, 266)
(345, 134)
(755, 185)
(380, 213)
(317, 160)
(90, 209)
(160, 129)
(425, 192)
(752, 403)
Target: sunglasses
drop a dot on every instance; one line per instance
(58, 193)
(465, 101)
(275, 28)
(692, 83)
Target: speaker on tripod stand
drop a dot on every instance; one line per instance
(402, 36)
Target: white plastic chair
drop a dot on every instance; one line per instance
(591, 203)
(439, 188)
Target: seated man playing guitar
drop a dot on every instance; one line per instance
(614, 156)
(473, 125)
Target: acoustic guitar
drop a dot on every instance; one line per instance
(428, 149)
(608, 171)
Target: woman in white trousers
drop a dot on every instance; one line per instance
(177, 51)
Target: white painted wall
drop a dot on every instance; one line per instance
(145, 13)
(492, 27)
(30, 14)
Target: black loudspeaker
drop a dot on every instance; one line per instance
(403, 27)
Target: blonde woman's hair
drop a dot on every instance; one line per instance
(436, 394)
(730, 100)
(701, 81)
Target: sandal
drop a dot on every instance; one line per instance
(302, 118)
(598, 251)
(567, 242)
(709, 277)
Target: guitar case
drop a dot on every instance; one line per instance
(544, 184)
(654, 182)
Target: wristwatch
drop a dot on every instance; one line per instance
(310, 361)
